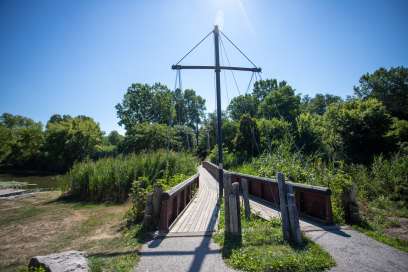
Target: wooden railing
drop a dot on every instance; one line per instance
(311, 201)
(174, 201)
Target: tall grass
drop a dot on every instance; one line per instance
(110, 179)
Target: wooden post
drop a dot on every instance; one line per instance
(234, 208)
(296, 236)
(147, 219)
(283, 206)
(245, 195)
(227, 192)
(156, 202)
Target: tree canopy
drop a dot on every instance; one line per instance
(389, 86)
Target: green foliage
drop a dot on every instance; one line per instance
(385, 178)
(398, 134)
(280, 103)
(143, 103)
(6, 142)
(389, 86)
(243, 104)
(310, 128)
(110, 179)
(272, 132)
(263, 249)
(319, 103)
(21, 140)
(356, 129)
(115, 138)
(71, 139)
(154, 136)
(247, 144)
(263, 87)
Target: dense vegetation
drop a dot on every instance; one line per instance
(110, 179)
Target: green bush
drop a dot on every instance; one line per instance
(110, 179)
(356, 130)
(272, 132)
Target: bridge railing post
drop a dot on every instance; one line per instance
(227, 191)
(283, 206)
(245, 196)
(296, 236)
(234, 208)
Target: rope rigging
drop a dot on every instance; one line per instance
(195, 46)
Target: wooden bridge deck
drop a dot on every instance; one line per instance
(201, 215)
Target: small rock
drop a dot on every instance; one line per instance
(68, 261)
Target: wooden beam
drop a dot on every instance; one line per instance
(209, 67)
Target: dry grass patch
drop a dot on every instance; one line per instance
(41, 224)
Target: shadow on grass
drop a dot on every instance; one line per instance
(231, 242)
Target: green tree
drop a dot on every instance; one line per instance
(71, 139)
(319, 103)
(356, 129)
(22, 148)
(247, 140)
(6, 142)
(114, 138)
(194, 109)
(145, 103)
(243, 104)
(264, 87)
(272, 132)
(281, 103)
(310, 128)
(398, 134)
(389, 86)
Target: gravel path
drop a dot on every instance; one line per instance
(352, 250)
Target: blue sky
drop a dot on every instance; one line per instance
(78, 57)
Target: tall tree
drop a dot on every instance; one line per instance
(243, 104)
(389, 86)
(71, 139)
(263, 87)
(281, 103)
(356, 130)
(114, 138)
(21, 140)
(319, 103)
(247, 140)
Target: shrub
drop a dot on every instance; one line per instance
(272, 132)
(356, 129)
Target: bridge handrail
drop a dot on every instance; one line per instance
(174, 190)
(312, 201)
(175, 200)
